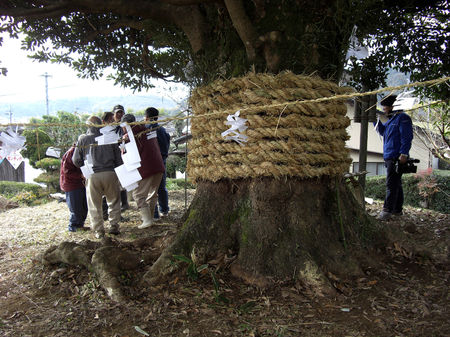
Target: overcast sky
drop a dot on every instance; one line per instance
(24, 81)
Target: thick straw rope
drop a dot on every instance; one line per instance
(296, 140)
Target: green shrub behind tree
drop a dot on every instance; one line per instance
(178, 184)
(23, 193)
(427, 189)
(63, 129)
(37, 142)
(173, 164)
(9, 188)
(51, 175)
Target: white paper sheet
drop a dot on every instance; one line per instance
(132, 153)
(127, 173)
(131, 187)
(126, 177)
(109, 135)
(87, 170)
(11, 142)
(151, 134)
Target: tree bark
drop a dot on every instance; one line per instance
(290, 229)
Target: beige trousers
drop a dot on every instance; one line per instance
(146, 194)
(98, 185)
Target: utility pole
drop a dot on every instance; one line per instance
(10, 115)
(46, 75)
(365, 112)
(363, 141)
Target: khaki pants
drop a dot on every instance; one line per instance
(98, 185)
(146, 194)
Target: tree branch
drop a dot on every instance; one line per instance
(243, 26)
(138, 25)
(188, 2)
(147, 64)
(50, 11)
(185, 14)
(192, 23)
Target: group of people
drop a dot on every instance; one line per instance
(101, 195)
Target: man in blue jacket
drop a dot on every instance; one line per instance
(397, 135)
(151, 115)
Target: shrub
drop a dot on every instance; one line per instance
(10, 188)
(173, 164)
(51, 175)
(23, 193)
(430, 189)
(37, 143)
(50, 179)
(49, 164)
(25, 197)
(178, 184)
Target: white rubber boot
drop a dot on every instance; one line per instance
(147, 217)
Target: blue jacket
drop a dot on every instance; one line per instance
(163, 139)
(397, 135)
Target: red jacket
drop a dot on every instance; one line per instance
(70, 178)
(151, 160)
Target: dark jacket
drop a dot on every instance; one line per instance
(163, 139)
(70, 177)
(104, 157)
(151, 160)
(397, 135)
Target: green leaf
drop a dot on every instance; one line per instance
(247, 307)
(138, 329)
(202, 267)
(182, 258)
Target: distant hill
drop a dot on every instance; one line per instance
(82, 105)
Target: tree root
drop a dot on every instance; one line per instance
(106, 262)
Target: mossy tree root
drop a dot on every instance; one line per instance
(107, 262)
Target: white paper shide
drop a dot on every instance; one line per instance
(12, 143)
(237, 127)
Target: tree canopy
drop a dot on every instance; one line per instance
(197, 41)
(56, 131)
(412, 42)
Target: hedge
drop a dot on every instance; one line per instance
(427, 189)
(12, 188)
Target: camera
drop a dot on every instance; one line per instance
(408, 167)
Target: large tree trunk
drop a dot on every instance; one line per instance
(277, 202)
(289, 229)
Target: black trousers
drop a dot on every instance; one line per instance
(393, 202)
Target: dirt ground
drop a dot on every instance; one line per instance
(408, 295)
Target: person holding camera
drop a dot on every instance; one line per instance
(397, 135)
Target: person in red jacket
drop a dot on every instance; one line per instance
(71, 182)
(151, 171)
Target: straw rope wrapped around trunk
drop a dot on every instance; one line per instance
(285, 137)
